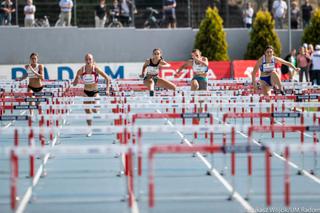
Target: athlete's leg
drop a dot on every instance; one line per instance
(194, 85)
(88, 111)
(166, 84)
(31, 103)
(266, 89)
(275, 80)
(95, 102)
(149, 83)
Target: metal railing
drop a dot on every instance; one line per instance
(189, 13)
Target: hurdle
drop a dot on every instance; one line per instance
(178, 149)
(137, 116)
(84, 150)
(273, 128)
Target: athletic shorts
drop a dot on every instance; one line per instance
(90, 93)
(35, 89)
(266, 79)
(202, 81)
(154, 78)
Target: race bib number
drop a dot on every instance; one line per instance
(88, 79)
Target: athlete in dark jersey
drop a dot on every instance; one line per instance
(150, 72)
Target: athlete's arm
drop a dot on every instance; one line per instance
(183, 66)
(77, 78)
(203, 61)
(146, 63)
(24, 76)
(163, 63)
(254, 72)
(106, 77)
(281, 61)
(41, 72)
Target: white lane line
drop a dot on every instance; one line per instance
(214, 172)
(11, 122)
(27, 196)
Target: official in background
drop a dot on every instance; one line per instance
(315, 66)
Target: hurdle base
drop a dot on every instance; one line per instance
(125, 198)
(312, 172)
(299, 172)
(230, 198)
(209, 173)
(44, 174)
(120, 174)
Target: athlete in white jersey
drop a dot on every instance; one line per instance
(89, 74)
(199, 66)
(35, 74)
(150, 71)
(269, 77)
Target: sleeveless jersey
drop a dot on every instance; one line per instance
(267, 67)
(153, 69)
(89, 78)
(30, 70)
(199, 68)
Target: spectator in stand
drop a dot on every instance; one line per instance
(306, 13)
(315, 66)
(114, 10)
(295, 15)
(169, 12)
(279, 9)
(100, 14)
(303, 60)
(65, 13)
(248, 15)
(291, 57)
(29, 12)
(126, 8)
(7, 7)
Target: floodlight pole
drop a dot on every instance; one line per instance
(289, 25)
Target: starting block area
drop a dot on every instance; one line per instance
(222, 150)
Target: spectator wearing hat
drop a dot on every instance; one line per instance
(315, 66)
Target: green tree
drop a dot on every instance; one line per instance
(211, 39)
(262, 35)
(311, 34)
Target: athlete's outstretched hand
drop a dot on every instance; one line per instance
(141, 76)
